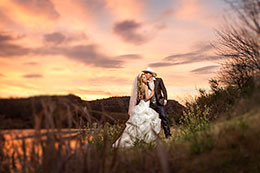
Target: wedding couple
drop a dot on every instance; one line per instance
(146, 111)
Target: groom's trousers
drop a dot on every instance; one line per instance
(165, 123)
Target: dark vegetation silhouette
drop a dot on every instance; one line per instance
(238, 45)
(22, 112)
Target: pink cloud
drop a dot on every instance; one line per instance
(203, 12)
(125, 9)
(38, 7)
(83, 40)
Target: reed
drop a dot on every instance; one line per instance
(222, 146)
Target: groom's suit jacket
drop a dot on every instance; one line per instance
(160, 91)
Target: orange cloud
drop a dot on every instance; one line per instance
(30, 13)
(67, 47)
(189, 9)
(199, 11)
(126, 9)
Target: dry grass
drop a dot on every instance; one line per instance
(228, 146)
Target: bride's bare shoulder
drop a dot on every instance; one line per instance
(144, 87)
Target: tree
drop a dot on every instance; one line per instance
(239, 44)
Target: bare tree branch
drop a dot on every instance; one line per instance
(239, 44)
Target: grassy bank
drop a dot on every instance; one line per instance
(201, 141)
(223, 146)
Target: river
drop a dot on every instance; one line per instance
(21, 143)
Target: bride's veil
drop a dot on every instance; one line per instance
(133, 97)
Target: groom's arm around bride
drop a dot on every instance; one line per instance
(159, 100)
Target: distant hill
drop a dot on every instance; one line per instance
(68, 111)
(120, 104)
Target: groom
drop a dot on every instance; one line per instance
(158, 101)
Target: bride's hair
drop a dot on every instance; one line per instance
(139, 86)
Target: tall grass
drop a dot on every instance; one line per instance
(197, 145)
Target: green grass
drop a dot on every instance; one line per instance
(228, 146)
(196, 146)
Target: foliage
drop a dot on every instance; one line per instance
(193, 121)
(234, 146)
(239, 44)
(195, 128)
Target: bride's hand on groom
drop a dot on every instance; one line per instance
(165, 102)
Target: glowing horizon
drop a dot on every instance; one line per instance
(94, 49)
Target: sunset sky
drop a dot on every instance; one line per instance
(95, 48)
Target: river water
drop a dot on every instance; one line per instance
(19, 143)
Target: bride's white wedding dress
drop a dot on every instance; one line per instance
(144, 124)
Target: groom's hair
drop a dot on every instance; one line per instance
(148, 72)
(152, 74)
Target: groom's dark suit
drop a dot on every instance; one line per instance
(157, 103)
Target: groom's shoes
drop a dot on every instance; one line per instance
(168, 135)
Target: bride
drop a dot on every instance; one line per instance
(144, 123)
